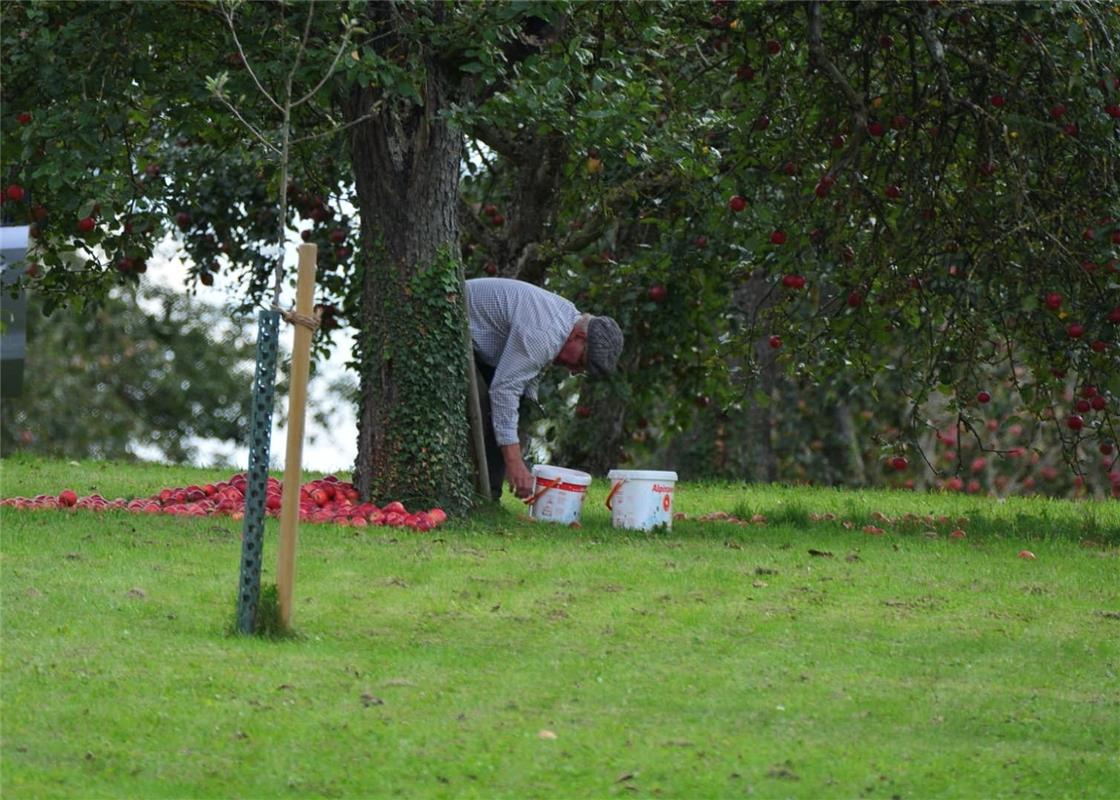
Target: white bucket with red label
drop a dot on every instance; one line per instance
(641, 499)
(557, 494)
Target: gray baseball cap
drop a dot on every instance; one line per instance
(604, 346)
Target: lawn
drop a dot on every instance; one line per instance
(500, 658)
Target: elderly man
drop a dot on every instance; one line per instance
(518, 329)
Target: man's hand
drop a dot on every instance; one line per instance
(518, 475)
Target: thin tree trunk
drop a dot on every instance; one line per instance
(756, 449)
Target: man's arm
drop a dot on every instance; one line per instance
(522, 361)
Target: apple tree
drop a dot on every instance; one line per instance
(889, 201)
(893, 200)
(116, 139)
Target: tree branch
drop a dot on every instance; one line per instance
(469, 219)
(227, 11)
(821, 59)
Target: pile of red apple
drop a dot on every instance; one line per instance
(325, 500)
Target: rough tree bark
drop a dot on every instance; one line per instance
(406, 162)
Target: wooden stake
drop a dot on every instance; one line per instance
(297, 407)
(478, 442)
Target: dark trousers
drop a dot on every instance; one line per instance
(495, 463)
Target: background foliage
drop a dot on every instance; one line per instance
(927, 206)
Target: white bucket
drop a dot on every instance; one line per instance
(557, 494)
(641, 499)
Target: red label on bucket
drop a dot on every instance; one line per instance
(564, 487)
(657, 487)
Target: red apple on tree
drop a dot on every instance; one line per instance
(1052, 301)
(983, 397)
(1074, 422)
(737, 203)
(24, 118)
(997, 100)
(183, 220)
(658, 293)
(1075, 330)
(775, 342)
(86, 225)
(773, 47)
(855, 300)
(778, 237)
(15, 192)
(899, 463)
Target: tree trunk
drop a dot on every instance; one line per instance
(755, 450)
(412, 421)
(844, 456)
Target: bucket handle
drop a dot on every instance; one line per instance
(613, 492)
(546, 484)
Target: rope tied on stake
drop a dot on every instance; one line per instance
(293, 317)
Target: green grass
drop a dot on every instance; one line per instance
(712, 660)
